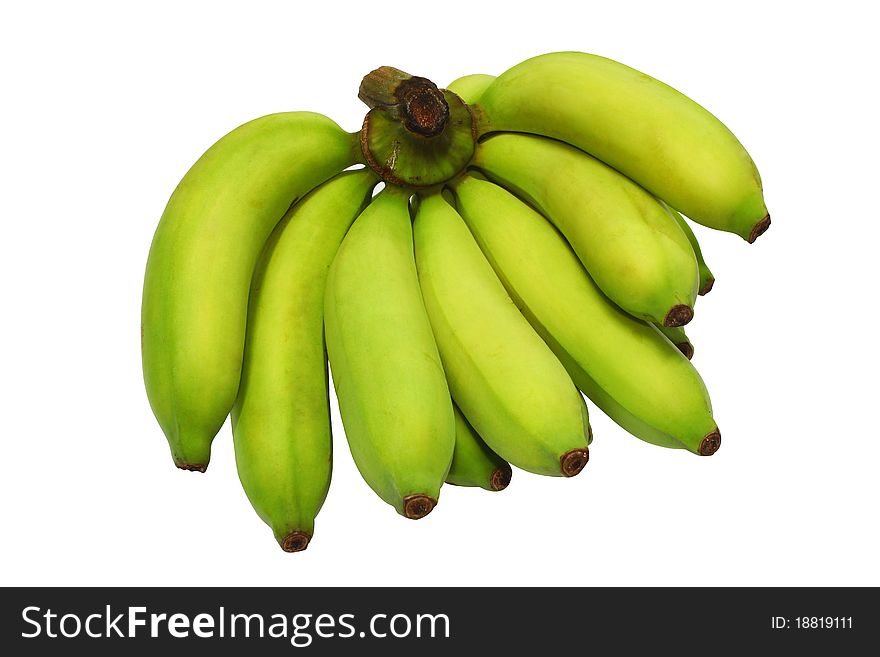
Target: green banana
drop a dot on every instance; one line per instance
(389, 380)
(202, 259)
(503, 377)
(473, 463)
(470, 87)
(628, 242)
(707, 279)
(643, 128)
(677, 336)
(623, 364)
(281, 418)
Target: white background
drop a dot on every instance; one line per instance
(106, 106)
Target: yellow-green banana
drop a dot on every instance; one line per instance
(470, 87)
(624, 365)
(281, 418)
(202, 259)
(473, 463)
(506, 381)
(677, 336)
(389, 380)
(707, 279)
(643, 128)
(628, 242)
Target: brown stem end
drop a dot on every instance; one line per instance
(500, 479)
(423, 108)
(678, 316)
(192, 467)
(418, 506)
(759, 229)
(707, 287)
(686, 348)
(295, 542)
(574, 461)
(416, 101)
(710, 443)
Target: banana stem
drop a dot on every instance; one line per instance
(415, 135)
(415, 101)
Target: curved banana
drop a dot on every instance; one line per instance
(503, 377)
(677, 336)
(281, 418)
(470, 87)
(627, 241)
(623, 364)
(707, 279)
(473, 463)
(389, 380)
(643, 128)
(202, 259)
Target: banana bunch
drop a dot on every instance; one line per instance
(527, 246)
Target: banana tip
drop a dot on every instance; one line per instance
(418, 506)
(500, 479)
(759, 229)
(707, 287)
(678, 315)
(686, 348)
(710, 443)
(295, 542)
(191, 467)
(574, 461)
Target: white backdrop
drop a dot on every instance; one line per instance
(106, 107)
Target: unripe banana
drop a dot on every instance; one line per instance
(707, 279)
(623, 364)
(202, 259)
(677, 336)
(470, 87)
(281, 418)
(506, 381)
(643, 128)
(473, 463)
(628, 242)
(389, 380)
